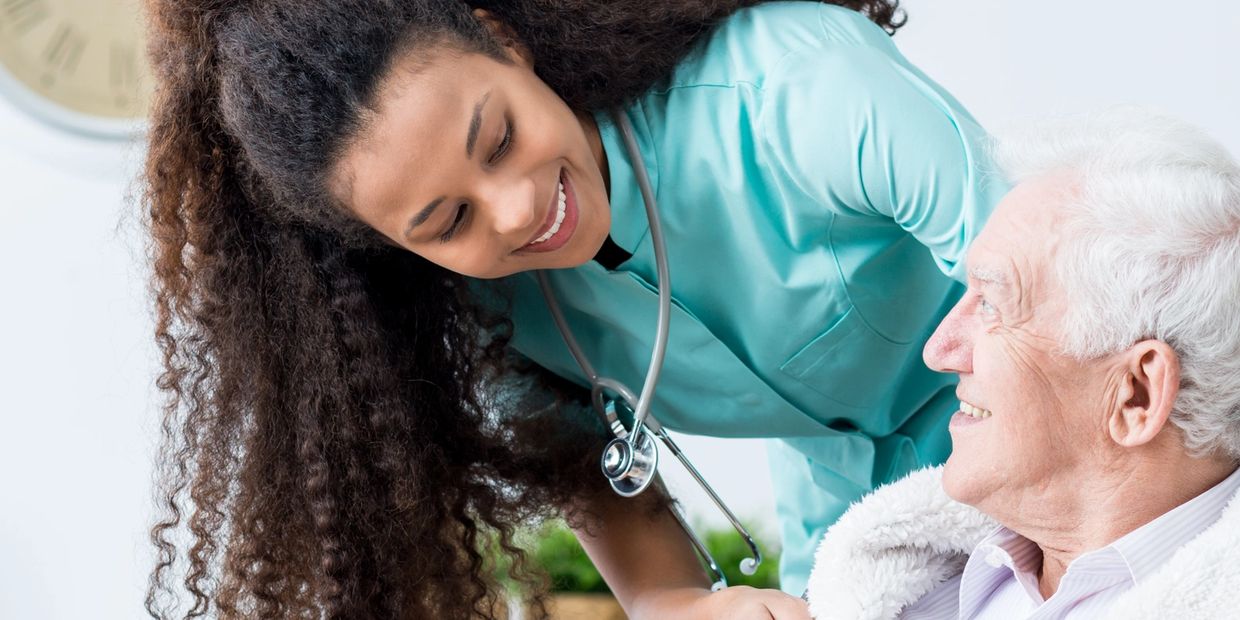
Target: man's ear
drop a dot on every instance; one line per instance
(507, 37)
(1149, 385)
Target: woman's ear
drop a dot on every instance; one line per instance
(507, 37)
(1151, 382)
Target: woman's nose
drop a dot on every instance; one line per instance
(512, 206)
(950, 348)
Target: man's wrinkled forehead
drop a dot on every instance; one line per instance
(1015, 252)
(990, 260)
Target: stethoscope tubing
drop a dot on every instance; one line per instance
(661, 269)
(644, 425)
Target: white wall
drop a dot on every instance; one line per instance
(75, 373)
(1012, 60)
(76, 364)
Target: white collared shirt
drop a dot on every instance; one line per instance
(1000, 579)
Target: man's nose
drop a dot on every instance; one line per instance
(950, 348)
(512, 206)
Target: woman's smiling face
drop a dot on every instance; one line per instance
(477, 166)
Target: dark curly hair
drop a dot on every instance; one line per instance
(343, 435)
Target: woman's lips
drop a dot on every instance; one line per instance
(567, 227)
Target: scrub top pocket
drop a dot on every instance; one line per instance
(831, 364)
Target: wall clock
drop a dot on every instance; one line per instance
(79, 65)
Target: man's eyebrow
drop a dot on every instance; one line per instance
(475, 124)
(989, 276)
(423, 215)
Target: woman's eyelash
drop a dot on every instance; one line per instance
(504, 144)
(455, 226)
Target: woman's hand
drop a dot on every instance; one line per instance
(734, 603)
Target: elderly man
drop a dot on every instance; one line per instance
(1094, 463)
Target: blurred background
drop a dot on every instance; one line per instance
(78, 411)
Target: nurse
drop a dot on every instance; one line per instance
(349, 201)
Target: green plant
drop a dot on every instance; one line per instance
(557, 551)
(554, 548)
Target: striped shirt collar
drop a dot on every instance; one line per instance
(1005, 555)
(1151, 545)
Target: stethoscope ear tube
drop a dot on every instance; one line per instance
(748, 566)
(717, 580)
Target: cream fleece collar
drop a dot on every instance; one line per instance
(904, 539)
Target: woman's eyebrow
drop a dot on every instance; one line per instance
(475, 124)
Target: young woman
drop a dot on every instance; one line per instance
(348, 200)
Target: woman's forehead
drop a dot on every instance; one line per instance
(426, 100)
(422, 120)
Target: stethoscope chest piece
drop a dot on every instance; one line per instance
(629, 462)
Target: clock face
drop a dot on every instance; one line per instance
(80, 63)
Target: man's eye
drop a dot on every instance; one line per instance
(455, 226)
(986, 307)
(504, 145)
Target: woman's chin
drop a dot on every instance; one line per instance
(585, 245)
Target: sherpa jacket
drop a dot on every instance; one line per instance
(904, 539)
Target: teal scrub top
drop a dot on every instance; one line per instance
(816, 192)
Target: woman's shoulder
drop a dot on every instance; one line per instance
(747, 46)
(822, 21)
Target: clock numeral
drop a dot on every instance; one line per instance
(25, 14)
(64, 50)
(123, 68)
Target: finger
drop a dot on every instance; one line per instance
(786, 607)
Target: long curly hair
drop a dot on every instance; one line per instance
(344, 434)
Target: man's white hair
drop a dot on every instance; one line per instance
(1152, 250)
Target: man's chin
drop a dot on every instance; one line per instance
(961, 480)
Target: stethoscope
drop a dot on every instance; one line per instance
(631, 459)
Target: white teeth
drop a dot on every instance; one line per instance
(561, 208)
(976, 412)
